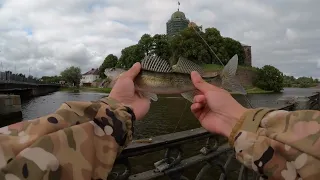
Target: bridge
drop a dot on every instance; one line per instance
(25, 87)
(194, 152)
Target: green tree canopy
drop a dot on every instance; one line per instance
(233, 47)
(72, 75)
(189, 45)
(146, 43)
(301, 82)
(269, 78)
(51, 79)
(216, 43)
(186, 43)
(130, 55)
(161, 46)
(109, 62)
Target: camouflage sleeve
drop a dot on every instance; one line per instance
(279, 144)
(79, 141)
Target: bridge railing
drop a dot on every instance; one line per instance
(8, 77)
(214, 159)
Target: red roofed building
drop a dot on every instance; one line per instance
(89, 77)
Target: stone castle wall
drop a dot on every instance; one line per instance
(248, 56)
(246, 76)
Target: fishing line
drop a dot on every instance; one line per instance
(180, 117)
(246, 98)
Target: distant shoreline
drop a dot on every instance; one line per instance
(251, 90)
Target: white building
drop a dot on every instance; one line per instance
(89, 77)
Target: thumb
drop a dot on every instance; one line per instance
(133, 71)
(201, 84)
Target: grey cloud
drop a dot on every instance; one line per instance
(284, 34)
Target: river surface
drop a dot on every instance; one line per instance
(163, 115)
(161, 119)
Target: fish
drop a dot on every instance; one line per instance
(158, 77)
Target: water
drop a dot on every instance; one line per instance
(161, 119)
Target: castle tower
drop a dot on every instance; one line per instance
(247, 54)
(177, 22)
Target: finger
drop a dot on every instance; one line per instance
(133, 71)
(200, 84)
(197, 107)
(199, 99)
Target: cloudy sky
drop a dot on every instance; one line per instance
(47, 36)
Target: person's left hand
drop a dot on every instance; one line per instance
(124, 92)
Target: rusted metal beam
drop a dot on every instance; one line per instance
(165, 141)
(186, 163)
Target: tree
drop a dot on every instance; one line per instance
(72, 75)
(130, 55)
(109, 62)
(51, 79)
(161, 46)
(146, 43)
(269, 78)
(189, 45)
(234, 47)
(216, 43)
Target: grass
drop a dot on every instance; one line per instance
(212, 67)
(256, 90)
(216, 67)
(87, 89)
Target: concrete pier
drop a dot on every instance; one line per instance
(10, 109)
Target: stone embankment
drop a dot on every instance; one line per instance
(244, 75)
(10, 108)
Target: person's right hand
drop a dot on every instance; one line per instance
(215, 108)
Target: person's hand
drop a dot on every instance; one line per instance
(214, 107)
(124, 92)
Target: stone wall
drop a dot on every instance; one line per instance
(248, 56)
(246, 76)
(10, 109)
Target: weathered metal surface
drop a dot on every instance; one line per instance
(186, 163)
(165, 141)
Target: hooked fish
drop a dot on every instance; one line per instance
(158, 77)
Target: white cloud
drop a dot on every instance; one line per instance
(48, 36)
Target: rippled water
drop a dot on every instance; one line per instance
(161, 119)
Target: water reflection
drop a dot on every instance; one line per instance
(163, 115)
(43, 105)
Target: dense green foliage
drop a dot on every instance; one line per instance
(234, 47)
(51, 79)
(130, 55)
(72, 75)
(301, 82)
(190, 45)
(187, 43)
(109, 62)
(269, 78)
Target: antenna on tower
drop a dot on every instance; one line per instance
(178, 5)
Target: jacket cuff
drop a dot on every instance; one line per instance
(249, 121)
(122, 113)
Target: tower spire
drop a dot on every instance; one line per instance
(178, 5)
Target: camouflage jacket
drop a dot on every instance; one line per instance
(279, 144)
(79, 141)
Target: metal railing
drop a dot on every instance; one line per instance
(8, 77)
(315, 101)
(213, 155)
